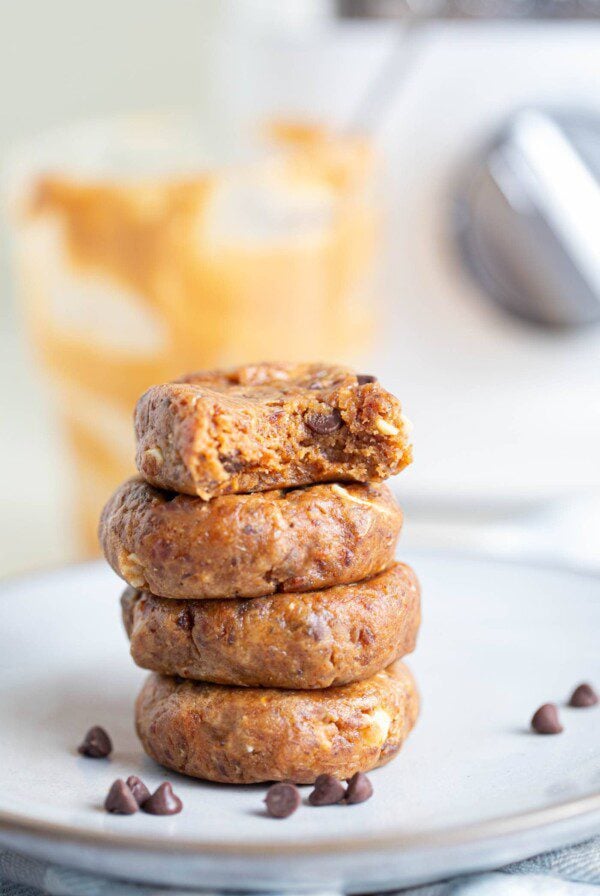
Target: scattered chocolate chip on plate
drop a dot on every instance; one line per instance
(328, 790)
(584, 695)
(359, 789)
(162, 802)
(282, 800)
(120, 800)
(545, 720)
(138, 789)
(96, 744)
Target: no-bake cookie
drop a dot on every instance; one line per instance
(308, 640)
(268, 426)
(243, 736)
(179, 546)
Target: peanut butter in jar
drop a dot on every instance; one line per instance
(139, 256)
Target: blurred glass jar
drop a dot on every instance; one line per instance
(139, 256)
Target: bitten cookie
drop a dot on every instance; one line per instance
(268, 426)
(311, 640)
(179, 546)
(244, 736)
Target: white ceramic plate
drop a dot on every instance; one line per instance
(472, 789)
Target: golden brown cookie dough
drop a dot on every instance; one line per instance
(310, 640)
(179, 546)
(268, 426)
(243, 736)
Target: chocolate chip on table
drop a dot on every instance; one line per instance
(120, 800)
(282, 800)
(359, 788)
(328, 790)
(584, 695)
(324, 424)
(162, 802)
(545, 720)
(96, 744)
(138, 789)
(364, 378)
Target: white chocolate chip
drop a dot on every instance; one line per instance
(385, 427)
(130, 567)
(155, 453)
(407, 425)
(379, 722)
(249, 749)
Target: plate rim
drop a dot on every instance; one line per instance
(463, 835)
(582, 808)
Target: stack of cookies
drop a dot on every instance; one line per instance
(258, 547)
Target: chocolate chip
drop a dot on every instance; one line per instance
(545, 720)
(96, 744)
(328, 790)
(359, 789)
(364, 378)
(231, 463)
(583, 695)
(162, 802)
(120, 800)
(185, 620)
(138, 789)
(324, 424)
(282, 800)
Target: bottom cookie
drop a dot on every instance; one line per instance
(248, 735)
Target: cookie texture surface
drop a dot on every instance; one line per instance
(179, 546)
(268, 426)
(243, 736)
(310, 640)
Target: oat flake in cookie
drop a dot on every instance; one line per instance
(268, 426)
(178, 546)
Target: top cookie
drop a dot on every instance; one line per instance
(266, 426)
